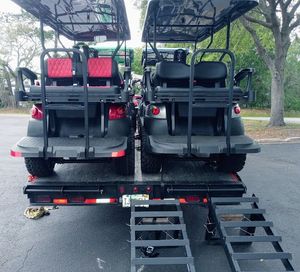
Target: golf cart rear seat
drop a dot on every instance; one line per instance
(173, 77)
(58, 71)
(64, 74)
(207, 74)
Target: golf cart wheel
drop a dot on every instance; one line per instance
(150, 164)
(125, 165)
(232, 163)
(39, 167)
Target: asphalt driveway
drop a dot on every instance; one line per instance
(95, 238)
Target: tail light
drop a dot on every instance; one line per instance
(237, 109)
(37, 112)
(117, 112)
(60, 201)
(155, 110)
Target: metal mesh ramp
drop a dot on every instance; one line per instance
(230, 214)
(167, 209)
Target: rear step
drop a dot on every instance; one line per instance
(140, 243)
(220, 208)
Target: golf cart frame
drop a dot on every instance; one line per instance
(108, 92)
(163, 24)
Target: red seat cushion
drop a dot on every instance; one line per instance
(59, 68)
(100, 67)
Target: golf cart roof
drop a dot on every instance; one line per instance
(190, 21)
(82, 20)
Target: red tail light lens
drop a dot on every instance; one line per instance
(117, 112)
(155, 110)
(192, 199)
(60, 201)
(37, 112)
(237, 109)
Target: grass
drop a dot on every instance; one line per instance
(254, 128)
(14, 110)
(260, 130)
(266, 113)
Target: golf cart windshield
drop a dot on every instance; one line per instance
(190, 21)
(119, 57)
(167, 54)
(82, 20)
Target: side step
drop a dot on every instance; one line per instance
(231, 214)
(169, 209)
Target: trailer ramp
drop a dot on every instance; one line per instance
(170, 210)
(227, 215)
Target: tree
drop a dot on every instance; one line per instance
(280, 18)
(142, 6)
(19, 46)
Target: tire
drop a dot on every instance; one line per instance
(232, 163)
(150, 164)
(125, 165)
(39, 167)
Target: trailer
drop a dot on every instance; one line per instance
(85, 116)
(159, 234)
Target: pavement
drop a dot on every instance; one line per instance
(96, 238)
(288, 120)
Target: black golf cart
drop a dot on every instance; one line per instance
(191, 110)
(82, 108)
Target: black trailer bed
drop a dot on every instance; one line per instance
(178, 180)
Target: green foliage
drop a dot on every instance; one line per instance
(136, 65)
(292, 78)
(243, 46)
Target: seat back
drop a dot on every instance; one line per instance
(172, 74)
(59, 71)
(103, 71)
(210, 74)
(175, 74)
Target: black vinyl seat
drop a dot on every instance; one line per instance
(208, 74)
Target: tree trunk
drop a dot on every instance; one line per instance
(277, 99)
(8, 81)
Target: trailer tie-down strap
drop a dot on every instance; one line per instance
(37, 212)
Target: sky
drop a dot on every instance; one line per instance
(132, 13)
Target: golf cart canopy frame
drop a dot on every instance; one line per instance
(82, 20)
(190, 21)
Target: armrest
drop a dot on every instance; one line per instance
(27, 73)
(149, 94)
(242, 74)
(21, 72)
(127, 77)
(246, 74)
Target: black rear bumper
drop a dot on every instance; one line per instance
(63, 147)
(202, 146)
(80, 194)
